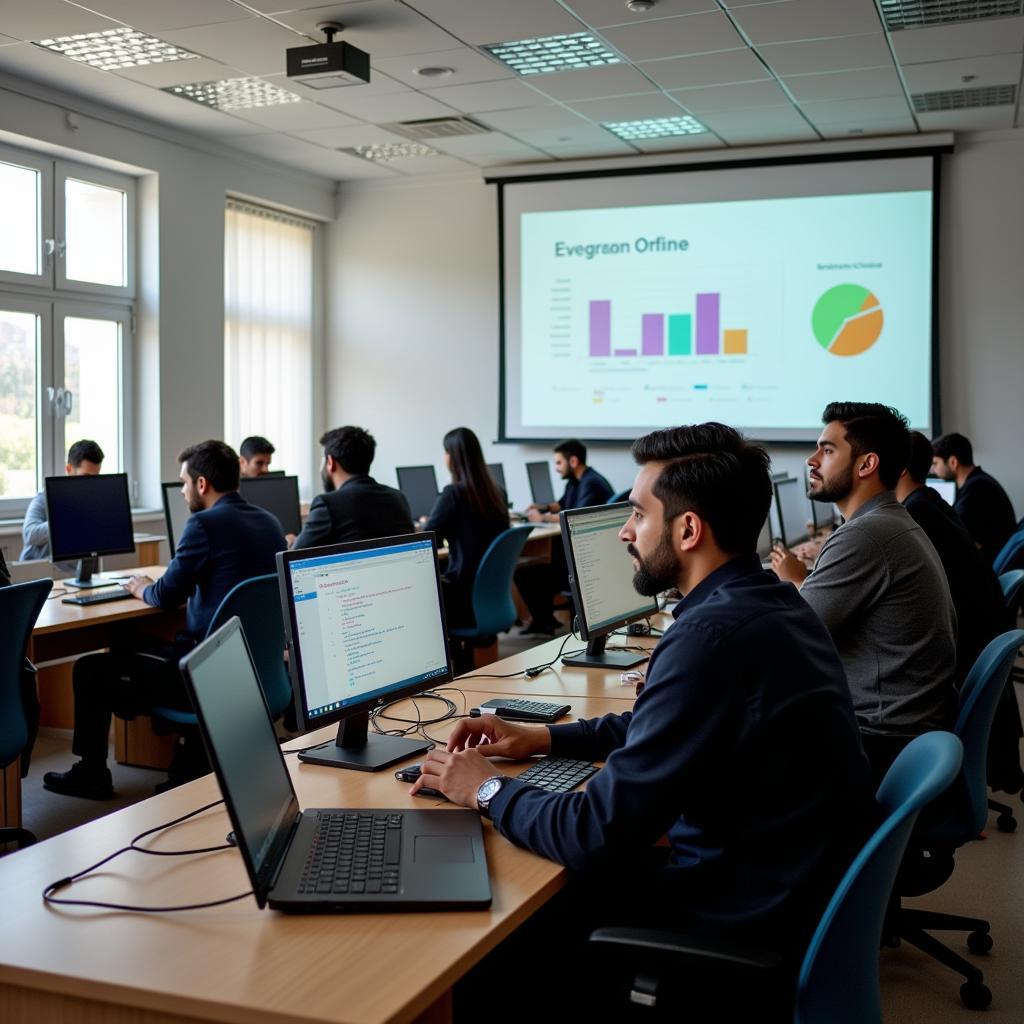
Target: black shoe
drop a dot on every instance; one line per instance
(80, 780)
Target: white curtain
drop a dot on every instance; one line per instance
(268, 333)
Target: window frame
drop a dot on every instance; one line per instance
(44, 166)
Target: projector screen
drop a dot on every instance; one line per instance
(753, 295)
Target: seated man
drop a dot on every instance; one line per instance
(225, 541)
(982, 504)
(85, 458)
(745, 690)
(254, 457)
(354, 506)
(878, 584)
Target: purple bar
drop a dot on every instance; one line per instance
(652, 334)
(707, 323)
(625, 351)
(601, 328)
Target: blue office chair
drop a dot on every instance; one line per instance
(1012, 583)
(20, 606)
(837, 982)
(1012, 554)
(619, 496)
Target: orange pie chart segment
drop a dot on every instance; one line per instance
(859, 333)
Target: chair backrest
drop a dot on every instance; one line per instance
(1012, 554)
(618, 496)
(20, 606)
(1012, 583)
(493, 607)
(838, 982)
(257, 603)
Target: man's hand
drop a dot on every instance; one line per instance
(458, 775)
(136, 585)
(787, 566)
(492, 736)
(534, 514)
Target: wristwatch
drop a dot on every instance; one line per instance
(487, 791)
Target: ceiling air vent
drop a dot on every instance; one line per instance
(964, 99)
(436, 128)
(919, 13)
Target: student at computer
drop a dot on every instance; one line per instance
(584, 485)
(981, 502)
(353, 506)
(226, 540)
(254, 456)
(27, 687)
(878, 584)
(85, 458)
(745, 694)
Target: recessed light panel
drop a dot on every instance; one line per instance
(918, 13)
(115, 48)
(234, 94)
(385, 152)
(554, 53)
(656, 128)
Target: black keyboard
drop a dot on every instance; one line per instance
(558, 774)
(102, 596)
(517, 709)
(354, 853)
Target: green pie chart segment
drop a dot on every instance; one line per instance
(847, 320)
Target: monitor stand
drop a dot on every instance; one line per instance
(597, 657)
(358, 748)
(83, 576)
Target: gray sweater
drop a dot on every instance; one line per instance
(879, 587)
(35, 530)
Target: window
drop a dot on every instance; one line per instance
(268, 333)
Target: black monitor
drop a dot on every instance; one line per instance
(946, 489)
(364, 626)
(273, 472)
(539, 474)
(791, 503)
(279, 495)
(764, 540)
(601, 576)
(497, 471)
(176, 512)
(89, 516)
(419, 485)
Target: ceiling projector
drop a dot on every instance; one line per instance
(328, 65)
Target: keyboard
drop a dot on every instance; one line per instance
(354, 853)
(100, 597)
(519, 710)
(558, 774)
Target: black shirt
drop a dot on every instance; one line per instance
(590, 489)
(360, 509)
(467, 533)
(986, 511)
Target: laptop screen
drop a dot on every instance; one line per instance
(240, 739)
(540, 482)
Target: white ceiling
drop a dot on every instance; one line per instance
(751, 71)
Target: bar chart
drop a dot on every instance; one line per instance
(673, 334)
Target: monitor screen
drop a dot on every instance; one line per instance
(764, 541)
(498, 473)
(419, 485)
(176, 512)
(540, 482)
(945, 488)
(279, 495)
(88, 515)
(793, 511)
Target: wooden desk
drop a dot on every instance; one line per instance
(235, 963)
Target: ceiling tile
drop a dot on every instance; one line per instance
(903, 126)
(292, 152)
(156, 16)
(607, 147)
(628, 108)
(601, 13)
(675, 37)
(469, 66)
(760, 122)
(821, 55)
(585, 135)
(501, 22)
(592, 83)
(794, 20)
(399, 106)
(178, 72)
(886, 108)
(515, 121)
(421, 165)
(968, 39)
(679, 144)
(731, 97)
(505, 95)
(703, 69)
(378, 85)
(845, 85)
(756, 135)
(8, 40)
(350, 136)
(293, 117)
(255, 45)
(46, 19)
(493, 147)
(182, 114)
(950, 74)
(53, 70)
(986, 119)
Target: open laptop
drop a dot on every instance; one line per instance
(378, 859)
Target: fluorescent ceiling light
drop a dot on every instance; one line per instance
(554, 53)
(656, 127)
(115, 48)
(918, 13)
(234, 94)
(385, 152)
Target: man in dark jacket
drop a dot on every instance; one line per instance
(29, 693)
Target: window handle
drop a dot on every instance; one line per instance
(52, 247)
(51, 398)
(69, 399)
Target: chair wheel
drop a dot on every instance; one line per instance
(975, 995)
(1006, 823)
(979, 942)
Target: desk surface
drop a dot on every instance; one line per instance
(57, 616)
(237, 963)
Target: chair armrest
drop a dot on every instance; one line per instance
(697, 950)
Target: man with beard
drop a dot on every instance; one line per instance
(744, 694)
(225, 541)
(878, 584)
(354, 506)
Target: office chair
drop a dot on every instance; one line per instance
(837, 982)
(618, 496)
(20, 606)
(963, 815)
(1012, 554)
(1012, 583)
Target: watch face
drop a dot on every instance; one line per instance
(487, 790)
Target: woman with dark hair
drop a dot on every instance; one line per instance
(468, 514)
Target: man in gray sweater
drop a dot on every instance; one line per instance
(878, 584)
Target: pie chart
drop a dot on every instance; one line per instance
(847, 320)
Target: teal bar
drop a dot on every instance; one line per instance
(680, 334)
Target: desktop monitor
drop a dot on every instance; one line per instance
(601, 577)
(279, 495)
(764, 540)
(540, 483)
(946, 488)
(275, 472)
(497, 471)
(419, 485)
(364, 625)
(89, 516)
(791, 502)
(176, 512)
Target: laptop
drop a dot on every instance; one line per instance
(321, 859)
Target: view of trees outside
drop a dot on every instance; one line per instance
(92, 373)
(18, 347)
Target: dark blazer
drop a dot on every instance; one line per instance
(360, 509)
(986, 511)
(219, 547)
(468, 535)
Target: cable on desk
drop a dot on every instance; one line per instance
(62, 883)
(533, 670)
(58, 593)
(419, 723)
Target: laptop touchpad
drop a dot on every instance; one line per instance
(443, 850)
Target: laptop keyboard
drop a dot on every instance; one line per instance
(354, 854)
(558, 774)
